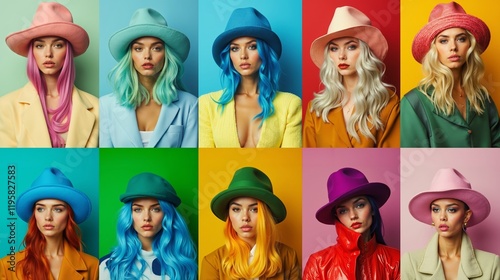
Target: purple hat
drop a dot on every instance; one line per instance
(347, 183)
(449, 183)
(446, 16)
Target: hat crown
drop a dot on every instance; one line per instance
(251, 177)
(449, 179)
(247, 17)
(343, 181)
(445, 9)
(48, 12)
(147, 16)
(347, 17)
(51, 176)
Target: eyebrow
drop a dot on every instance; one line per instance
(457, 35)
(249, 42)
(447, 205)
(347, 43)
(237, 204)
(139, 205)
(355, 201)
(43, 41)
(154, 43)
(54, 205)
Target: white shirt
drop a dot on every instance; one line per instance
(152, 272)
(145, 137)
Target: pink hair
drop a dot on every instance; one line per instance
(61, 116)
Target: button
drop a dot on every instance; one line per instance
(469, 131)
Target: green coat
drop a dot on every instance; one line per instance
(441, 130)
(426, 264)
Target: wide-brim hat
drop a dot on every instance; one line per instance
(249, 182)
(350, 22)
(146, 185)
(147, 22)
(449, 183)
(246, 22)
(53, 184)
(445, 16)
(51, 19)
(347, 183)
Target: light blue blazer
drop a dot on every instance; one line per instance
(177, 124)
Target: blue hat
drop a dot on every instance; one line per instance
(52, 184)
(150, 185)
(246, 22)
(147, 22)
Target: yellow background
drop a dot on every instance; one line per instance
(216, 168)
(415, 14)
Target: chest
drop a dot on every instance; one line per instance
(147, 116)
(248, 128)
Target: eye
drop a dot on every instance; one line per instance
(462, 39)
(352, 47)
(254, 209)
(235, 49)
(443, 41)
(452, 210)
(341, 211)
(58, 210)
(38, 46)
(252, 47)
(137, 210)
(333, 48)
(40, 209)
(59, 45)
(137, 49)
(359, 205)
(235, 209)
(435, 209)
(158, 48)
(156, 210)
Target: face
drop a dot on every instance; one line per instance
(448, 216)
(245, 56)
(148, 56)
(147, 216)
(51, 217)
(243, 215)
(452, 45)
(345, 52)
(355, 214)
(49, 53)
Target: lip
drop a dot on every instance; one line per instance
(443, 227)
(246, 228)
(49, 64)
(48, 227)
(147, 227)
(356, 225)
(245, 65)
(454, 58)
(147, 66)
(343, 66)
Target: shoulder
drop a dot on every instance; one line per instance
(209, 97)
(13, 96)
(88, 96)
(105, 259)
(483, 256)
(328, 251)
(389, 252)
(186, 97)
(90, 260)
(285, 250)
(414, 256)
(286, 97)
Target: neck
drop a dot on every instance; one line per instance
(450, 247)
(248, 86)
(54, 246)
(350, 82)
(147, 243)
(51, 83)
(148, 82)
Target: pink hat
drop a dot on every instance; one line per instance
(445, 16)
(51, 19)
(350, 22)
(449, 183)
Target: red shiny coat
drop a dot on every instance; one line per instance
(348, 260)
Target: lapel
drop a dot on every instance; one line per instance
(168, 113)
(469, 265)
(72, 264)
(127, 121)
(82, 120)
(32, 119)
(336, 118)
(231, 131)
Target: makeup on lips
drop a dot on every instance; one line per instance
(454, 58)
(147, 227)
(343, 66)
(356, 225)
(443, 227)
(49, 64)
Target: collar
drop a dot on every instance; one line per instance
(72, 263)
(350, 241)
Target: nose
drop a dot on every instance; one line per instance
(243, 53)
(443, 217)
(48, 52)
(48, 215)
(147, 54)
(245, 217)
(353, 215)
(342, 54)
(147, 216)
(453, 45)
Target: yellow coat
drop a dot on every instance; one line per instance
(76, 265)
(282, 129)
(333, 134)
(22, 123)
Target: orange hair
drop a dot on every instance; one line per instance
(266, 262)
(35, 263)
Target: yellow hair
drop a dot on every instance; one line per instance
(266, 262)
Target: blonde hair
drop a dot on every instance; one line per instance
(370, 94)
(266, 262)
(439, 79)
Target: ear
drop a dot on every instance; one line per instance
(468, 215)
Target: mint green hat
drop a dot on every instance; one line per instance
(150, 185)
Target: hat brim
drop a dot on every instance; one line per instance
(251, 31)
(164, 195)
(378, 191)
(78, 201)
(120, 41)
(422, 41)
(366, 33)
(420, 205)
(220, 202)
(19, 42)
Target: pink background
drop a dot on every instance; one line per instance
(479, 166)
(378, 165)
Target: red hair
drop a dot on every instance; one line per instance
(35, 263)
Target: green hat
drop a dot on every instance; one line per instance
(150, 185)
(249, 182)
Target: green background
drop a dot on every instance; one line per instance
(117, 166)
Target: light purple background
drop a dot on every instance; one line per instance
(479, 166)
(378, 165)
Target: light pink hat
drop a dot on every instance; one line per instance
(445, 16)
(51, 19)
(350, 22)
(449, 183)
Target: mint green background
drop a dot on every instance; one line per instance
(17, 15)
(117, 166)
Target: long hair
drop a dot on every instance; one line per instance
(172, 247)
(370, 94)
(269, 73)
(266, 262)
(61, 116)
(131, 93)
(35, 264)
(377, 224)
(439, 80)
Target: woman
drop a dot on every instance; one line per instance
(356, 109)
(250, 111)
(153, 239)
(360, 252)
(49, 111)
(450, 107)
(251, 211)
(149, 107)
(450, 206)
(52, 207)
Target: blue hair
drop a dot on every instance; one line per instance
(172, 246)
(131, 93)
(269, 73)
(377, 224)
